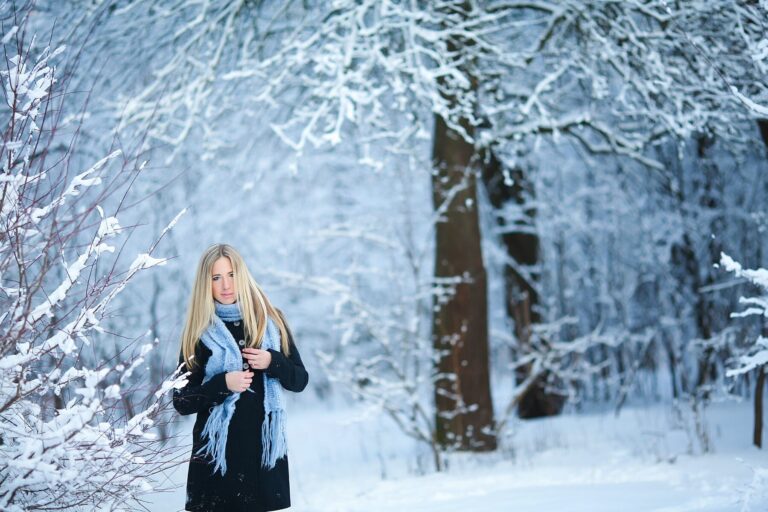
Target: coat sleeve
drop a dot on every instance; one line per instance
(289, 369)
(195, 396)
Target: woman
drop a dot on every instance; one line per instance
(240, 355)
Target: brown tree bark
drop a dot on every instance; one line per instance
(522, 299)
(464, 410)
(762, 125)
(757, 437)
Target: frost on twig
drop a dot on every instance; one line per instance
(66, 442)
(757, 355)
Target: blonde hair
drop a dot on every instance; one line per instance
(254, 304)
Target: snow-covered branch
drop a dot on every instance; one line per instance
(757, 355)
(65, 441)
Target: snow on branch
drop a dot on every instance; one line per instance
(65, 440)
(496, 72)
(319, 66)
(760, 110)
(757, 355)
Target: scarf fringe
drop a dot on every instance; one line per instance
(217, 429)
(273, 442)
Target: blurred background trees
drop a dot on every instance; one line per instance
(468, 210)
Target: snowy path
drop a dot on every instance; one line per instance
(573, 463)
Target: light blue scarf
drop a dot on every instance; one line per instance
(226, 357)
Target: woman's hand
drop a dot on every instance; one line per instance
(238, 382)
(257, 358)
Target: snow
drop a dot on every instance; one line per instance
(146, 261)
(751, 105)
(343, 460)
(372, 76)
(759, 356)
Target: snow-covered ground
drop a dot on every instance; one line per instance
(344, 459)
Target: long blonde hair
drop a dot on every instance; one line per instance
(254, 304)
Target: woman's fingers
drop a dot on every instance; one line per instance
(239, 381)
(257, 358)
(254, 351)
(250, 354)
(247, 378)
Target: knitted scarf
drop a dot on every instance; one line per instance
(226, 357)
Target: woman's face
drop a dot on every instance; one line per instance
(223, 281)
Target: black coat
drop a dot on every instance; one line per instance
(246, 486)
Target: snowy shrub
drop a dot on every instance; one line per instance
(65, 442)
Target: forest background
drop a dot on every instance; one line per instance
(473, 213)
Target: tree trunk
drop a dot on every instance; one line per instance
(757, 437)
(759, 387)
(521, 297)
(762, 125)
(464, 410)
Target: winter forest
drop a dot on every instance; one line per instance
(521, 245)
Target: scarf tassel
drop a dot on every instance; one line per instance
(273, 441)
(216, 429)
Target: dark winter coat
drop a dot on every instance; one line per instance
(246, 486)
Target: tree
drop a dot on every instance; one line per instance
(464, 408)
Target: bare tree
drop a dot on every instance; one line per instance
(65, 440)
